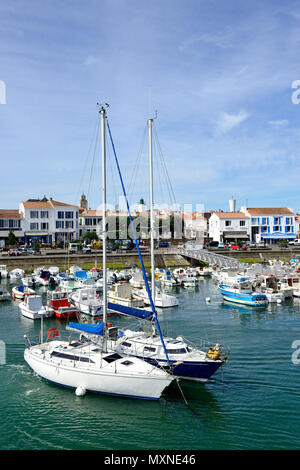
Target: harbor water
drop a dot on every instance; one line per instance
(251, 403)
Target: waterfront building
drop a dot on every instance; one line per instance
(270, 224)
(226, 227)
(11, 220)
(49, 221)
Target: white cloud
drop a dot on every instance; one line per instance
(227, 121)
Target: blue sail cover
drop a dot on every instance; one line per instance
(134, 312)
(81, 274)
(93, 328)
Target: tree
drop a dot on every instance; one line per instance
(11, 239)
(90, 236)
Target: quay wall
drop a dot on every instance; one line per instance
(114, 261)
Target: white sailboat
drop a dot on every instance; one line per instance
(84, 367)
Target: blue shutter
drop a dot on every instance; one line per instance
(292, 228)
(268, 229)
(280, 228)
(285, 229)
(286, 221)
(267, 220)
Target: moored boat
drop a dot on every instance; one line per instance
(242, 293)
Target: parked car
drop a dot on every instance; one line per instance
(212, 244)
(14, 252)
(233, 246)
(86, 249)
(295, 242)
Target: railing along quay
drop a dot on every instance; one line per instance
(209, 257)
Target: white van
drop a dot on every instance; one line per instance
(73, 247)
(295, 242)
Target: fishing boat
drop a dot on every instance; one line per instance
(19, 292)
(32, 307)
(242, 293)
(83, 366)
(4, 294)
(123, 294)
(87, 300)
(59, 301)
(167, 279)
(161, 299)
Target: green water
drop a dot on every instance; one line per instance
(251, 403)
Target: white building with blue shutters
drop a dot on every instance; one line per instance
(271, 224)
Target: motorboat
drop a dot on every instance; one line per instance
(3, 272)
(167, 279)
(161, 299)
(32, 307)
(16, 274)
(242, 293)
(123, 294)
(59, 301)
(87, 300)
(28, 281)
(19, 292)
(137, 279)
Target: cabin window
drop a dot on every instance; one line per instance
(149, 348)
(176, 351)
(127, 345)
(71, 357)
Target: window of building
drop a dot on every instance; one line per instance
(69, 215)
(44, 215)
(276, 220)
(288, 228)
(242, 223)
(264, 229)
(60, 215)
(44, 226)
(34, 214)
(60, 224)
(69, 224)
(276, 228)
(289, 221)
(227, 223)
(34, 226)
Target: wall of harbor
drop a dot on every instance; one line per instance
(114, 261)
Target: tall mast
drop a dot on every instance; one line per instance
(103, 147)
(150, 122)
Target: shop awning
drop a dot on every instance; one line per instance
(32, 233)
(17, 233)
(278, 235)
(235, 235)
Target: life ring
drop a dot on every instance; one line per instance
(52, 333)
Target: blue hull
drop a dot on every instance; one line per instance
(189, 370)
(247, 298)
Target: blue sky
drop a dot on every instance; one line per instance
(218, 73)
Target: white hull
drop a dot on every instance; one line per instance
(33, 315)
(106, 380)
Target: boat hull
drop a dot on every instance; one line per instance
(98, 381)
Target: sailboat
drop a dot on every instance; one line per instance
(85, 366)
(175, 354)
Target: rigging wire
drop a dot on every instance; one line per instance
(80, 188)
(93, 161)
